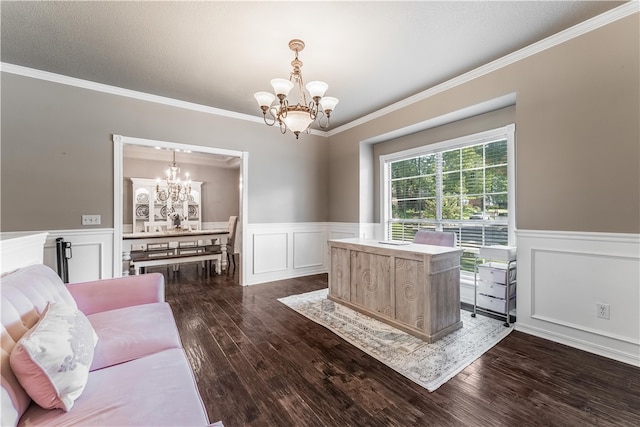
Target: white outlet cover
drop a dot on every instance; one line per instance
(90, 219)
(603, 311)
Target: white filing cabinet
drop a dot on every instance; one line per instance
(495, 281)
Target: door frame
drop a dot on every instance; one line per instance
(119, 141)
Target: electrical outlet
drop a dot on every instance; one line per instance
(602, 311)
(90, 219)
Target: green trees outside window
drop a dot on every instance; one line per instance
(462, 190)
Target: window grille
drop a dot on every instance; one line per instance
(463, 186)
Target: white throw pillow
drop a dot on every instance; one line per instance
(52, 360)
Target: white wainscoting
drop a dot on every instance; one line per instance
(562, 276)
(271, 252)
(286, 250)
(92, 252)
(18, 250)
(342, 230)
(307, 249)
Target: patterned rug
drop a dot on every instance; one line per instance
(429, 365)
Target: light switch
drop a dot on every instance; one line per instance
(90, 219)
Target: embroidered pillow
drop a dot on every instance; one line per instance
(51, 360)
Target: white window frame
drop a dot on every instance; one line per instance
(504, 133)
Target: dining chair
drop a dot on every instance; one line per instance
(231, 241)
(191, 225)
(153, 227)
(437, 238)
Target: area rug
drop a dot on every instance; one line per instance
(429, 365)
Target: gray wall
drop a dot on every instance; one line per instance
(57, 155)
(577, 150)
(577, 135)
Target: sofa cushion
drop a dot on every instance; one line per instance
(133, 332)
(52, 359)
(156, 390)
(25, 294)
(14, 398)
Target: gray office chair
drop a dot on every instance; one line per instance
(437, 238)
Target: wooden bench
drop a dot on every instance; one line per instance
(144, 259)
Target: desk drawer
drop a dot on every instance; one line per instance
(496, 272)
(495, 290)
(495, 304)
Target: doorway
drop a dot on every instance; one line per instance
(155, 149)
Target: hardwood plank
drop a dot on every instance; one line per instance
(259, 363)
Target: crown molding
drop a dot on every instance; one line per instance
(589, 25)
(601, 20)
(128, 93)
(114, 90)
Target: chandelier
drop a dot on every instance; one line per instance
(297, 118)
(177, 190)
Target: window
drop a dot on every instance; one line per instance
(464, 185)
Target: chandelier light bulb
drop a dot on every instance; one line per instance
(281, 87)
(328, 104)
(264, 100)
(317, 89)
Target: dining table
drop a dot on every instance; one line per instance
(132, 241)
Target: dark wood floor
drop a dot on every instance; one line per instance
(259, 363)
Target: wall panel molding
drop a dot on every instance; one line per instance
(270, 252)
(561, 278)
(563, 274)
(92, 251)
(307, 249)
(301, 249)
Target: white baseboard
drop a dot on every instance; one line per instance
(602, 350)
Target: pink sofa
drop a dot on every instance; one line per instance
(139, 374)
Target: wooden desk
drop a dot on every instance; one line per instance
(142, 238)
(413, 287)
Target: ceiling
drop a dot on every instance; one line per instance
(218, 53)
